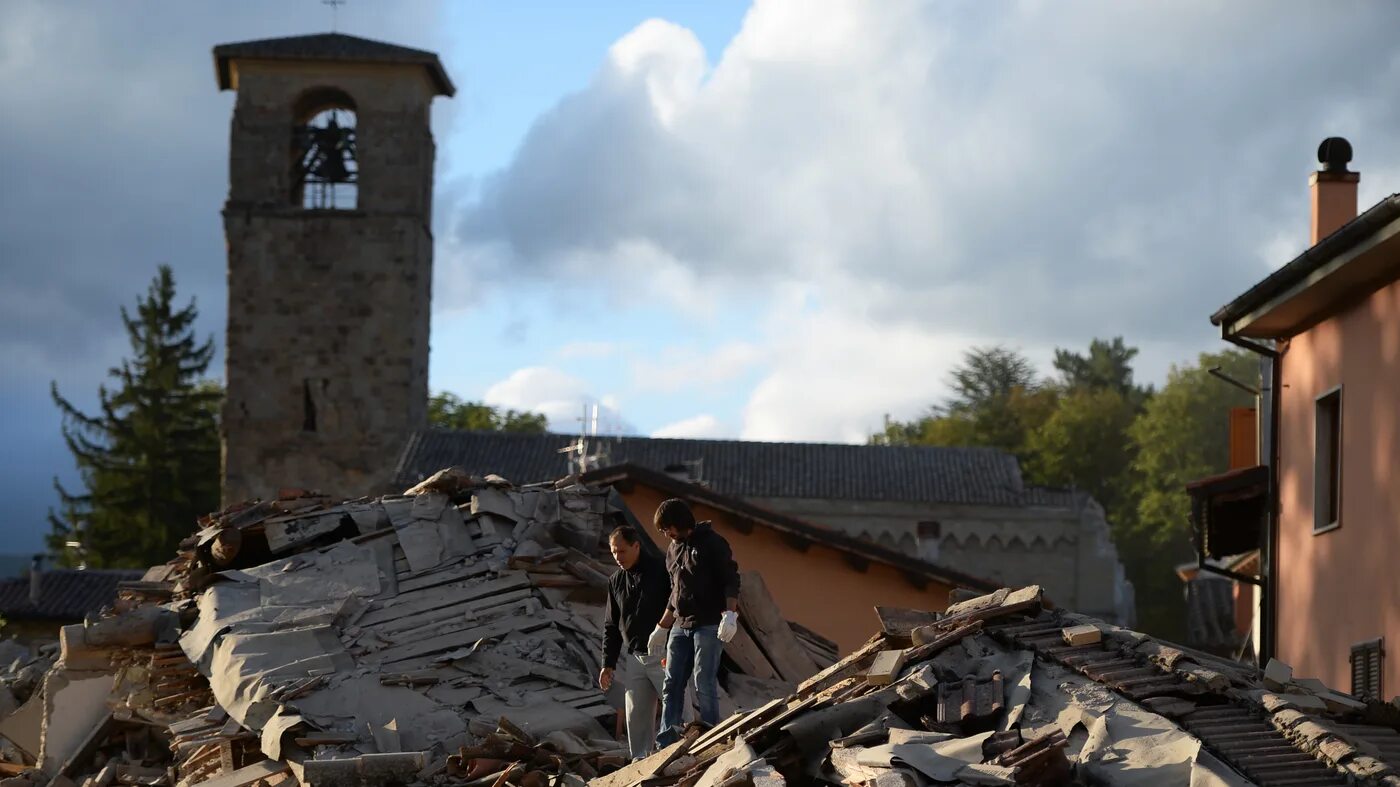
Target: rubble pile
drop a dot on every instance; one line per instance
(1000, 690)
(414, 638)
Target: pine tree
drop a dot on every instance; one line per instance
(149, 459)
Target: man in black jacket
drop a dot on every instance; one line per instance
(637, 596)
(701, 615)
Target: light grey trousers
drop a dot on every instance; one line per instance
(641, 677)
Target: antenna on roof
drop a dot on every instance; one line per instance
(335, 12)
(589, 451)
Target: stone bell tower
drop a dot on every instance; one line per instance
(330, 260)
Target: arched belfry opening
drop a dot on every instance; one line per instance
(325, 167)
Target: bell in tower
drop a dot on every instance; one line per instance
(328, 222)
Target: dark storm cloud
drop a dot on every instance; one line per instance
(113, 155)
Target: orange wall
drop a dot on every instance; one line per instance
(1342, 587)
(816, 588)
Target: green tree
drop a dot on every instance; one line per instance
(987, 378)
(996, 401)
(149, 458)
(1182, 434)
(1107, 365)
(1084, 443)
(446, 411)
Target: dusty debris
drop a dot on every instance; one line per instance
(403, 639)
(992, 694)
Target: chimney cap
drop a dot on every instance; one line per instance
(1334, 154)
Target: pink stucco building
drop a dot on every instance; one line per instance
(1327, 325)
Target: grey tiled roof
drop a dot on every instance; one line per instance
(974, 476)
(329, 46)
(64, 594)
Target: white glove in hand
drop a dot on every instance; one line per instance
(728, 625)
(656, 643)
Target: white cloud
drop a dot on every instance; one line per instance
(1034, 170)
(704, 426)
(904, 179)
(559, 396)
(695, 367)
(564, 399)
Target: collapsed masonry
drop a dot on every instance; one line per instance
(389, 640)
(1001, 691)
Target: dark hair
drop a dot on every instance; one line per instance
(626, 533)
(674, 513)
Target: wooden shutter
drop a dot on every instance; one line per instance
(1244, 437)
(1366, 669)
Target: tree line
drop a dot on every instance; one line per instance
(148, 456)
(1090, 425)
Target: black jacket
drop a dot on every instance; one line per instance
(636, 601)
(703, 574)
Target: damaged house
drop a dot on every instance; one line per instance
(1319, 509)
(963, 509)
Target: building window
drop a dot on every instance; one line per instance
(1327, 462)
(1366, 660)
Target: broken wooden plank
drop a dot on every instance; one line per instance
(768, 628)
(751, 660)
(245, 776)
(1024, 600)
(900, 622)
(926, 652)
(843, 668)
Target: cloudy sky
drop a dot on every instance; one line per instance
(774, 221)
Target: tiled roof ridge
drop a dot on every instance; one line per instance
(952, 475)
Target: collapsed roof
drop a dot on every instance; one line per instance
(328, 642)
(1000, 690)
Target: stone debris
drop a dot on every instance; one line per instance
(447, 635)
(1001, 691)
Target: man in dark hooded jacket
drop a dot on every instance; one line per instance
(701, 615)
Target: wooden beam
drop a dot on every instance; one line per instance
(919, 581)
(758, 610)
(749, 657)
(797, 541)
(857, 562)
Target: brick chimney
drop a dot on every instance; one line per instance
(1333, 188)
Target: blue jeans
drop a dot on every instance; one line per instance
(690, 651)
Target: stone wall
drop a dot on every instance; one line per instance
(328, 315)
(1064, 546)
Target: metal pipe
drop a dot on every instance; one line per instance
(1268, 558)
(1249, 389)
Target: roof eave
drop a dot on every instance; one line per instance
(224, 73)
(1244, 316)
(830, 538)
